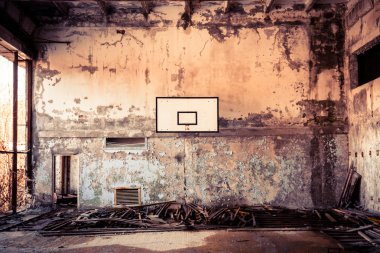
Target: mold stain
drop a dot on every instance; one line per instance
(360, 102)
(178, 158)
(184, 21)
(85, 68)
(287, 52)
(47, 73)
(234, 169)
(327, 39)
(102, 110)
(316, 172)
(180, 78)
(323, 158)
(57, 80)
(112, 70)
(147, 78)
(322, 112)
(124, 35)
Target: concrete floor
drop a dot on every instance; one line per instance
(183, 241)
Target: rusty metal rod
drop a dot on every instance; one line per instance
(15, 115)
(29, 125)
(13, 152)
(94, 1)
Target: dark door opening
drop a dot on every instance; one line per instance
(65, 181)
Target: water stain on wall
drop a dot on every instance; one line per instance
(160, 61)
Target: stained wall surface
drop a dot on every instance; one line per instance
(364, 110)
(283, 125)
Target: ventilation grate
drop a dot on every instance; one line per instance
(127, 196)
(126, 143)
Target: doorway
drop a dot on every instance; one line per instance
(65, 179)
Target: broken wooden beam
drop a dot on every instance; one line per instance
(330, 218)
(367, 238)
(360, 228)
(318, 214)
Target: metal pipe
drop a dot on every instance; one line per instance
(15, 115)
(12, 152)
(53, 179)
(63, 176)
(29, 125)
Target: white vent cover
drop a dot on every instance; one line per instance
(127, 196)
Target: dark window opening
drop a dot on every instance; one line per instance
(126, 143)
(369, 65)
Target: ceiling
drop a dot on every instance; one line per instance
(20, 19)
(48, 11)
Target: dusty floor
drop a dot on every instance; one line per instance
(183, 241)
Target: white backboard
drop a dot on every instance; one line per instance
(187, 114)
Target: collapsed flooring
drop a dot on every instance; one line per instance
(352, 229)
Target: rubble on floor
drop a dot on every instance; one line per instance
(351, 228)
(22, 218)
(349, 189)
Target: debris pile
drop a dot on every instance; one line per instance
(351, 228)
(350, 186)
(179, 216)
(166, 215)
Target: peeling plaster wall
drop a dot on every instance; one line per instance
(364, 113)
(364, 138)
(283, 137)
(265, 169)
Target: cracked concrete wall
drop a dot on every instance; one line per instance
(364, 109)
(279, 78)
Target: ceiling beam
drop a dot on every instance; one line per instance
(104, 7)
(227, 6)
(146, 8)
(64, 10)
(16, 30)
(269, 4)
(309, 5)
(102, 0)
(189, 7)
(14, 38)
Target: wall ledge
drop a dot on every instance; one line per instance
(238, 132)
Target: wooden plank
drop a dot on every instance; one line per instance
(330, 218)
(367, 238)
(360, 228)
